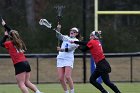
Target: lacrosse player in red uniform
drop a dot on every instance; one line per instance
(16, 47)
(102, 66)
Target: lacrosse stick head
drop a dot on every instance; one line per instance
(45, 23)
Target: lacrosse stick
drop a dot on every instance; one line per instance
(45, 23)
(49, 25)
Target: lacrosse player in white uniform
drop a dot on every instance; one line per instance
(65, 58)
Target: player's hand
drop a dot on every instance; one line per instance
(6, 33)
(100, 32)
(3, 22)
(58, 27)
(58, 49)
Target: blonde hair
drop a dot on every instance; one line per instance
(17, 41)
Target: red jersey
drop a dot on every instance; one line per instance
(14, 53)
(96, 50)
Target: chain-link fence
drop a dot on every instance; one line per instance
(125, 68)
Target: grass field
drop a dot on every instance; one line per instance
(79, 88)
(120, 72)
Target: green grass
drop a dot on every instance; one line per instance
(79, 88)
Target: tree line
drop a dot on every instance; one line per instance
(120, 32)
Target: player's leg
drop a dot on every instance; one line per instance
(61, 77)
(21, 82)
(68, 71)
(107, 81)
(31, 85)
(93, 81)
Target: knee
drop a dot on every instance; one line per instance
(108, 82)
(27, 82)
(92, 80)
(21, 85)
(68, 77)
(61, 79)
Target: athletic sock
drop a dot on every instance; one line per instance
(72, 90)
(67, 91)
(104, 91)
(38, 91)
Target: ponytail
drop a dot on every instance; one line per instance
(17, 41)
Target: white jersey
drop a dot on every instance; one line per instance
(66, 44)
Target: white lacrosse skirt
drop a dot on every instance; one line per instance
(65, 62)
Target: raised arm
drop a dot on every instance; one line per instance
(59, 35)
(2, 41)
(8, 29)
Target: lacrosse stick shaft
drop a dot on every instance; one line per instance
(58, 41)
(59, 9)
